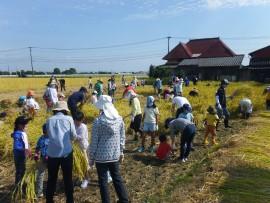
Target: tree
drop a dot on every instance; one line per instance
(56, 71)
(151, 71)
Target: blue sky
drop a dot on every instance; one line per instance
(97, 23)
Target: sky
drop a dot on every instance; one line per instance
(122, 35)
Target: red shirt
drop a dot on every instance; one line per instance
(163, 150)
(128, 89)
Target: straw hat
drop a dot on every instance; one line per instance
(105, 104)
(61, 106)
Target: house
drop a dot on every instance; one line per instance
(208, 58)
(259, 65)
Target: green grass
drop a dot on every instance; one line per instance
(249, 180)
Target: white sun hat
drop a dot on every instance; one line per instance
(105, 104)
(61, 106)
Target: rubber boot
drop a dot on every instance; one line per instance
(214, 140)
(226, 123)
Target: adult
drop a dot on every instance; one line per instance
(221, 102)
(178, 86)
(61, 131)
(53, 80)
(111, 87)
(136, 114)
(106, 148)
(90, 84)
(77, 98)
(128, 88)
(50, 96)
(99, 87)
(187, 130)
(178, 102)
(195, 80)
(246, 107)
(62, 84)
(158, 86)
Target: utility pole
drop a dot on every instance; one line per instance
(169, 37)
(31, 59)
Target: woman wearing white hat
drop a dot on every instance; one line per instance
(106, 148)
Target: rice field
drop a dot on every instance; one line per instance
(12, 88)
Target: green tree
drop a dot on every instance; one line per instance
(56, 71)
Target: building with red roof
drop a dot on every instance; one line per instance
(207, 58)
(259, 64)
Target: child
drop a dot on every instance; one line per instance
(41, 151)
(21, 148)
(31, 106)
(82, 132)
(61, 96)
(164, 150)
(94, 97)
(211, 121)
(150, 123)
(186, 113)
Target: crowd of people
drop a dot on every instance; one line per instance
(105, 149)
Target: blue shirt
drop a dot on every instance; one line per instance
(61, 132)
(75, 98)
(42, 145)
(187, 116)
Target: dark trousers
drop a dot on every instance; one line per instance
(186, 140)
(63, 87)
(119, 186)
(19, 160)
(226, 115)
(53, 167)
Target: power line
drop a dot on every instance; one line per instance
(228, 38)
(105, 47)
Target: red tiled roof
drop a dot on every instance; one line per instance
(179, 52)
(200, 48)
(261, 53)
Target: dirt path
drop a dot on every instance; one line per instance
(147, 179)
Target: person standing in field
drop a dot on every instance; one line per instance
(111, 87)
(159, 86)
(41, 153)
(76, 99)
(245, 107)
(62, 84)
(82, 132)
(21, 148)
(187, 130)
(267, 98)
(107, 148)
(150, 123)
(136, 114)
(61, 131)
(178, 87)
(50, 96)
(221, 102)
(90, 84)
(99, 88)
(211, 121)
